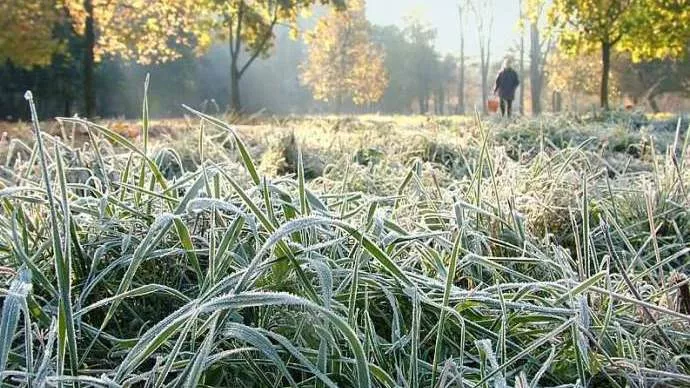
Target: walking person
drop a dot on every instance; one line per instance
(507, 82)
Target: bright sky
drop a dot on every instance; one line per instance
(443, 15)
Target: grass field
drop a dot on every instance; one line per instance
(364, 251)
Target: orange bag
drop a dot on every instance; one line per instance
(492, 104)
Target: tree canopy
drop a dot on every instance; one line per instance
(647, 29)
(423, 59)
(343, 61)
(26, 37)
(249, 26)
(95, 50)
(139, 30)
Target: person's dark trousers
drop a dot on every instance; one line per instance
(506, 106)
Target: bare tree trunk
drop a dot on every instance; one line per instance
(485, 75)
(535, 69)
(488, 56)
(461, 87)
(64, 86)
(441, 101)
(235, 46)
(556, 101)
(522, 64)
(461, 78)
(448, 103)
(235, 101)
(651, 99)
(484, 28)
(67, 106)
(485, 62)
(89, 60)
(605, 70)
(651, 93)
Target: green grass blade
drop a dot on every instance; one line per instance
(450, 281)
(241, 147)
(11, 307)
(66, 334)
(145, 115)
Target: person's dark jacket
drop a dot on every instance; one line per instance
(506, 83)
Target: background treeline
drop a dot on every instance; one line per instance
(272, 84)
(329, 61)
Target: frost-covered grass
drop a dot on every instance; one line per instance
(384, 252)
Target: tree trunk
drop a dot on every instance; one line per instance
(89, 62)
(441, 110)
(556, 101)
(487, 63)
(534, 69)
(605, 70)
(485, 52)
(522, 65)
(485, 86)
(483, 76)
(64, 86)
(235, 46)
(66, 108)
(461, 77)
(461, 87)
(235, 102)
(651, 99)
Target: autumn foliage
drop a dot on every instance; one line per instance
(26, 36)
(343, 62)
(141, 30)
(645, 29)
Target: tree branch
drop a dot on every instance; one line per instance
(238, 31)
(549, 46)
(650, 91)
(261, 46)
(231, 38)
(616, 39)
